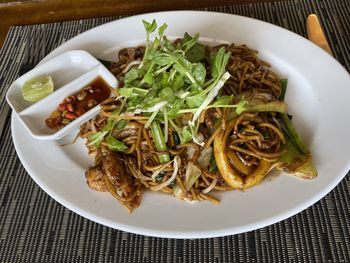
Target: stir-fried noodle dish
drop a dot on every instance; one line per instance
(190, 120)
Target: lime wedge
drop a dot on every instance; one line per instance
(37, 88)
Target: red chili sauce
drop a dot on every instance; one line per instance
(77, 104)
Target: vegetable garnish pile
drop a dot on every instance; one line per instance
(190, 119)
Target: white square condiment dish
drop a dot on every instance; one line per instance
(63, 69)
(76, 69)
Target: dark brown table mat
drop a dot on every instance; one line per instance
(35, 228)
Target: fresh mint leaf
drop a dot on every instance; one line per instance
(162, 29)
(224, 100)
(148, 78)
(167, 94)
(178, 82)
(195, 51)
(241, 106)
(186, 135)
(162, 60)
(177, 105)
(147, 103)
(188, 42)
(219, 62)
(184, 67)
(186, 38)
(115, 145)
(196, 54)
(155, 43)
(125, 92)
(131, 75)
(134, 102)
(122, 124)
(199, 73)
(97, 138)
(195, 101)
(168, 46)
(150, 27)
(165, 79)
(109, 126)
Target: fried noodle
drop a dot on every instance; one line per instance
(250, 140)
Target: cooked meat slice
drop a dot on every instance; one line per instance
(115, 170)
(128, 132)
(127, 55)
(139, 52)
(95, 179)
(120, 181)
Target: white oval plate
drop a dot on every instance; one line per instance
(318, 94)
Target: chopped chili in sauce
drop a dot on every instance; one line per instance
(77, 104)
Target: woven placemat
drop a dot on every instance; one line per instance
(35, 228)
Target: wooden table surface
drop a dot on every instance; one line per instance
(23, 12)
